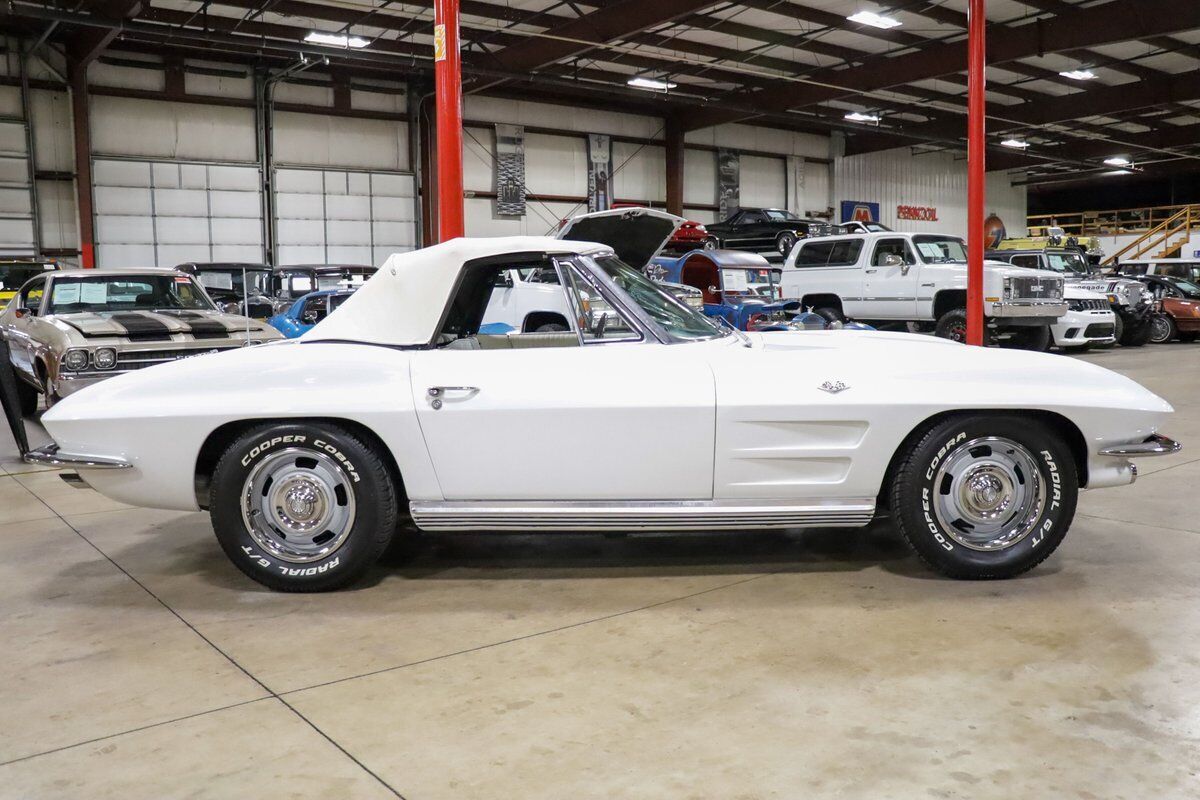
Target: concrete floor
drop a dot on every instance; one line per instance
(138, 663)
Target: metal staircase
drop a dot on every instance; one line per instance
(1163, 240)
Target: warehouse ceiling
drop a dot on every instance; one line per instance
(1132, 88)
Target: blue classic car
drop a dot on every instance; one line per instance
(739, 287)
(308, 311)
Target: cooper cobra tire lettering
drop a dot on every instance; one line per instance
(262, 447)
(333, 451)
(937, 459)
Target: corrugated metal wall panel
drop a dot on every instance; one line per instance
(896, 177)
(329, 141)
(161, 130)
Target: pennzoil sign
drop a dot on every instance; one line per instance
(917, 213)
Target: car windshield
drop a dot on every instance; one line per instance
(126, 293)
(940, 249)
(1067, 262)
(1192, 290)
(777, 215)
(681, 323)
(13, 276)
(233, 279)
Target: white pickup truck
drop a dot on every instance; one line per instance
(920, 279)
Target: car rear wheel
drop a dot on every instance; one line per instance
(710, 243)
(985, 496)
(302, 507)
(1162, 329)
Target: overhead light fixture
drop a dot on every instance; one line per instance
(653, 84)
(1015, 143)
(856, 116)
(1118, 161)
(874, 20)
(1078, 74)
(336, 39)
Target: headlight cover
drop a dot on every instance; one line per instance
(104, 358)
(76, 360)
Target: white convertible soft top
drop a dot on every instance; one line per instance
(403, 302)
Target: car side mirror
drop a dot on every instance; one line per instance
(22, 313)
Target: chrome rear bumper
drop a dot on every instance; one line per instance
(1156, 445)
(50, 456)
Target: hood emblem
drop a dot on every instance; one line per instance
(833, 387)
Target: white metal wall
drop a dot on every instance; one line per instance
(939, 180)
(16, 199)
(163, 213)
(342, 216)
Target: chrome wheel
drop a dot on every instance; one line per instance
(298, 505)
(785, 243)
(709, 244)
(989, 494)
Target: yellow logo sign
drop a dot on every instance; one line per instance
(439, 42)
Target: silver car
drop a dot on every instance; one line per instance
(69, 329)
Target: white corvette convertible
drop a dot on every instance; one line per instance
(310, 454)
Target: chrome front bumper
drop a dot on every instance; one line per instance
(50, 456)
(1015, 309)
(1156, 445)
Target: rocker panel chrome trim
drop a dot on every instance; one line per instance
(680, 515)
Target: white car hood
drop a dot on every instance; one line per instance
(879, 363)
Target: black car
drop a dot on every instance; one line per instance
(1170, 286)
(764, 230)
(236, 287)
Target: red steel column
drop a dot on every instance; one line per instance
(976, 166)
(447, 70)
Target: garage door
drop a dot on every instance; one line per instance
(339, 216)
(16, 211)
(163, 213)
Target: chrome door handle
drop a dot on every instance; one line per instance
(871, 270)
(436, 393)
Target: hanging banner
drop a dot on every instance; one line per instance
(795, 184)
(729, 183)
(510, 170)
(600, 158)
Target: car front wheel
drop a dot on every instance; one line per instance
(1162, 329)
(985, 496)
(302, 507)
(785, 243)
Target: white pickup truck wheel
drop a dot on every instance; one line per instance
(302, 507)
(985, 496)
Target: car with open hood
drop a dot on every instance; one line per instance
(643, 415)
(73, 328)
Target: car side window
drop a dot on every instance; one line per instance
(31, 296)
(843, 253)
(750, 218)
(597, 320)
(1026, 261)
(475, 316)
(891, 247)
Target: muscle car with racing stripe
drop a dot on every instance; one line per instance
(69, 329)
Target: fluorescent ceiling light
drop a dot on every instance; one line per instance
(336, 39)
(1016, 143)
(874, 20)
(650, 83)
(1078, 74)
(1118, 161)
(855, 116)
